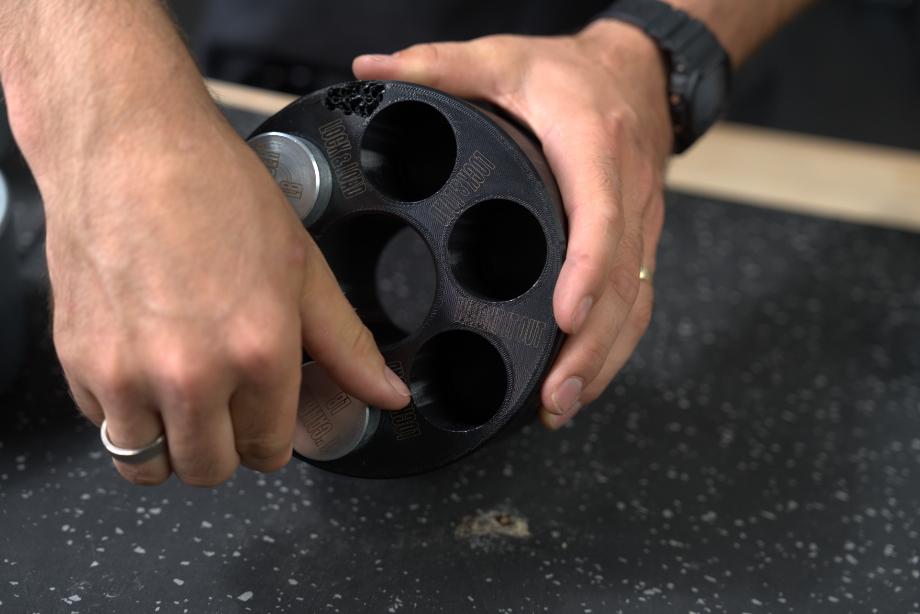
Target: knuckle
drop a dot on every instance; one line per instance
(362, 342)
(624, 282)
(612, 129)
(257, 354)
(620, 120)
(592, 263)
(489, 45)
(612, 216)
(426, 52)
(498, 43)
(141, 475)
(264, 456)
(110, 374)
(182, 379)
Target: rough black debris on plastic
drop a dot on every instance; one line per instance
(360, 97)
(446, 233)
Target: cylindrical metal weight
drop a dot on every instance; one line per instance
(445, 230)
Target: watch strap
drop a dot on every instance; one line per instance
(688, 46)
(673, 29)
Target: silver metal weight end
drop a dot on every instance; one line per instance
(330, 423)
(299, 168)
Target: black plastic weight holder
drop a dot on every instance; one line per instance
(477, 190)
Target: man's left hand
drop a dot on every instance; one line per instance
(598, 103)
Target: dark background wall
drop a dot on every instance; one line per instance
(846, 69)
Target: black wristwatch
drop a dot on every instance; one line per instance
(699, 68)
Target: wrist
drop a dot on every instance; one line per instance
(720, 18)
(636, 64)
(612, 39)
(68, 148)
(118, 73)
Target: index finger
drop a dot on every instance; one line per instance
(336, 338)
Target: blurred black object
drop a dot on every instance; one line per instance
(11, 325)
(23, 274)
(846, 69)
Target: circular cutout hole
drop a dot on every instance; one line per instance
(497, 250)
(408, 151)
(386, 271)
(458, 380)
(406, 279)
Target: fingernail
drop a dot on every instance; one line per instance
(555, 422)
(566, 396)
(395, 381)
(581, 313)
(379, 58)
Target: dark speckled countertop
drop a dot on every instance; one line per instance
(760, 453)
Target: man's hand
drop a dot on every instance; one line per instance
(184, 286)
(181, 302)
(598, 103)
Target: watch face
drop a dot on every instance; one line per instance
(709, 97)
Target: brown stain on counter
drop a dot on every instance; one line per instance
(495, 523)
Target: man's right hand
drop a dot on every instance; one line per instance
(184, 285)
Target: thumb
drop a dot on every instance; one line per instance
(468, 70)
(336, 338)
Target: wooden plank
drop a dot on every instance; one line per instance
(245, 98)
(831, 178)
(819, 176)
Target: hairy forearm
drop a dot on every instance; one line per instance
(84, 76)
(742, 25)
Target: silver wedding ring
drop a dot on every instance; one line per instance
(645, 274)
(132, 456)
